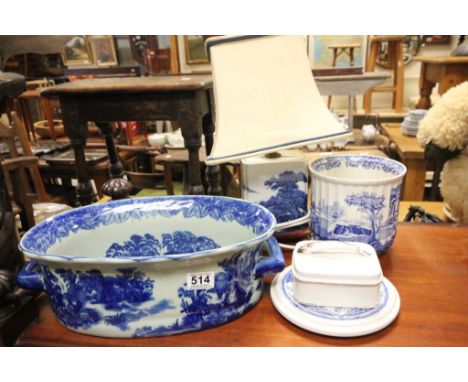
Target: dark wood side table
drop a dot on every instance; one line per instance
(428, 264)
(183, 98)
(447, 71)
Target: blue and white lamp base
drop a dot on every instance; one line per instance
(336, 322)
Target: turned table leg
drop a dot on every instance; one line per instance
(117, 187)
(213, 173)
(190, 122)
(77, 131)
(425, 89)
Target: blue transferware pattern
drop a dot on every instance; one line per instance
(366, 162)
(331, 313)
(329, 221)
(234, 293)
(290, 202)
(82, 300)
(42, 236)
(148, 246)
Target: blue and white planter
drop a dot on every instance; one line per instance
(356, 198)
(152, 266)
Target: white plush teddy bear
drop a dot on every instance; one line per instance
(444, 132)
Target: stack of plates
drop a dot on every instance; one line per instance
(410, 124)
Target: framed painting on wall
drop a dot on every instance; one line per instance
(103, 50)
(321, 54)
(195, 49)
(76, 52)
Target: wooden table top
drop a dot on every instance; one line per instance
(131, 85)
(408, 146)
(443, 59)
(428, 264)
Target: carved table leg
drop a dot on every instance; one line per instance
(213, 173)
(117, 187)
(77, 131)
(191, 124)
(425, 89)
(425, 95)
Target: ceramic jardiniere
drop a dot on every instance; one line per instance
(152, 266)
(356, 198)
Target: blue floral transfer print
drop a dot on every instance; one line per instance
(137, 246)
(179, 242)
(235, 291)
(84, 299)
(329, 223)
(45, 234)
(186, 242)
(290, 202)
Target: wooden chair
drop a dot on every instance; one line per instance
(23, 178)
(395, 58)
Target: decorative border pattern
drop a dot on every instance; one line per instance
(45, 234)
(354, 161)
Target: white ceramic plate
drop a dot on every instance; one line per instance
(336, 322)
(293, 223)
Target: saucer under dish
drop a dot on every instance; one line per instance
(331, 321)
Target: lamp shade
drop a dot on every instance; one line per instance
(266, 97)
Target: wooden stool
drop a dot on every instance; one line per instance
(395, 58)
(338, 50)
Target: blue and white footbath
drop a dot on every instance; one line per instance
(152, 266)
(336, 289)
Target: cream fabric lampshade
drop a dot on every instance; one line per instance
(266, 97)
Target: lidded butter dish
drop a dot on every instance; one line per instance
(336, 274)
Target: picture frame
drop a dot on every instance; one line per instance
(103, 50)
(436, 40)
(76, 52)
(195, 49)
(320, 56)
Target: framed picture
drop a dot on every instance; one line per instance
(76, 52)
(321, 55)
(195, 49)
(103, 50)
(436, 40)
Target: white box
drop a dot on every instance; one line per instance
(336, 274)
